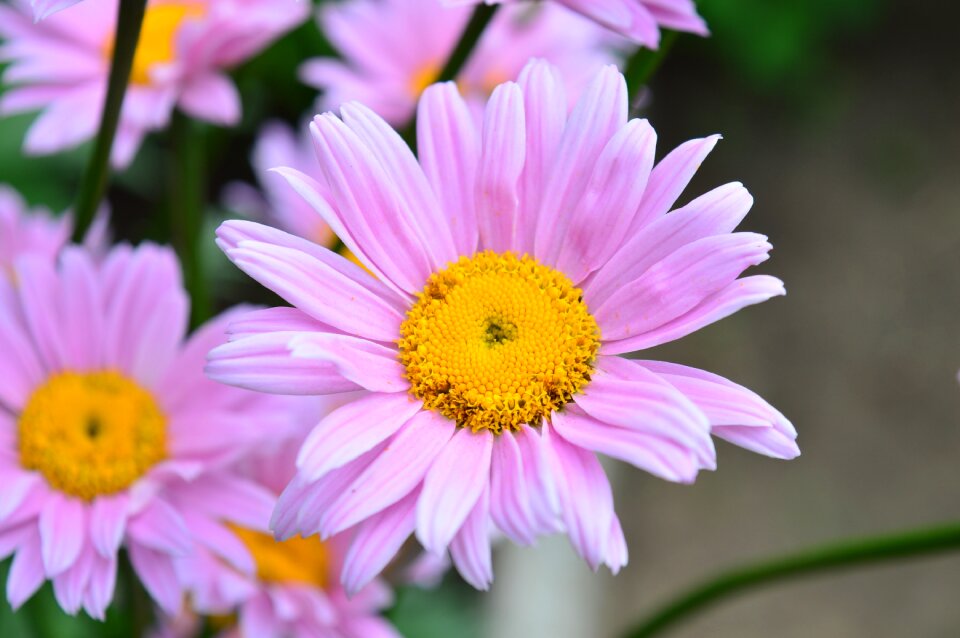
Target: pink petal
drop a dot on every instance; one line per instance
(739, 294)
(99, 592)
(228, 497)
(69, 586)
(219, 540)
(451, 487)
(502, 155)
(510, 506)
(212, 97)
(16, 485)
(678, 283)
(449, 150)
(353, 429)
(160, 527)
(538, 477)
(393, 474)
(371, 366)
(617, 554)
(155, 570)
(470, 548)
(83, 304)
(108, 520)
(20, 366)
(376, 542)
(26, 572)
(62, 532)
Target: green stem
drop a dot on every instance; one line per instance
(644, 63)
(843, 554)
(186, 211)
(481, 17)
(94, 182)
(139, 606)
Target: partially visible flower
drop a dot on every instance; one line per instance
(513, 263)
(280, 205)
(287, 589)
(61, 65)
(110, 435)
(639, 20)
(394, 49)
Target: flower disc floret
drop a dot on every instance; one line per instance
(91, 434)
(496, 341)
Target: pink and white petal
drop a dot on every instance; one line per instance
(538, 477)
(66, 122)
(502, 154)
(160, 527)
(211, 97)
(220, 541)
(156, 571)
(678, 283)
(26, 572)
(45, 8)
(257, 619)
(679, 15)
(12, 538)
(626, 395)
(108, 522)
(280, 319)
(717, 212)
(367, 215)
(318, 289)
(470, 548)
(597, 116)
(353, 429)
(393, 474)
(617, 554)
(670, 177)
(545, 107)
(265, 363)
(449, 150)
(376, 541)
(510, 506)
(735, 413)
(451, 487)
(586, 499)
(418, 202)
(69, 587)
(38, 290)
(371, 366)
(82, 305)
(62, 526)
(17, 484)
(609, 201)
(738, 294)
(230, 498)
(655, 454)
(99, 592)
(20, 367)
(369, 627)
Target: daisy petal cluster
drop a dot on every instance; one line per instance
(60, 66)
(110, 435)
(639, 20)
(393, 49)
(508, 265)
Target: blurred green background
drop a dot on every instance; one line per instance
(841, 118)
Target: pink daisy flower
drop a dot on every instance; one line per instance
(61, 65)
(639, 20)
(280, 205)
(286, 589)
(110, 435)
(393, 49)
(512, 265)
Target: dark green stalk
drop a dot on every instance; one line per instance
(644, 63)
(94, 182)
(839, 555)
(139, 606)
(186, 210)
(481, 17)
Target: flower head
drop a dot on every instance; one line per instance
(511, 265)
(394, 49)
(110, 435)
(61, 65)
(639, 20)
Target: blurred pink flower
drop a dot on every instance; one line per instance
(393, 49)
(46, 8)
(279, 205)
(286, 589)
(110, 435)
(60, 65)
(512, 264)
(639, 20)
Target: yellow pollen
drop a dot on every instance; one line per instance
(296, 560)
(158, 36)
(423, 77)
(91, 434)
(496, 341)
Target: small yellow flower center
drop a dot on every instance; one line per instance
(296, 560)
(158, 36)
(496, 341)
(91, 434)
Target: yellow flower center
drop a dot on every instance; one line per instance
(423, 77)
(91, 434)
(496, 341)
(296, 560)
(158, 36)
